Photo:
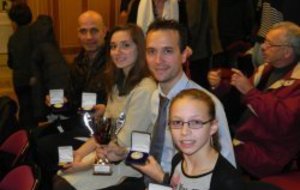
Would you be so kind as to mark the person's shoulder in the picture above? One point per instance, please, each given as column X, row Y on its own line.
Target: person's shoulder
column 144, row 88
column 193, row 84
column 148, row 80
column 148, row 83
column 22, row 32
column 12, row 37
column 295, row 74
column 177, row 158
column 175, row 161
column 79, row 57
column 227, row 176
column 224, row 163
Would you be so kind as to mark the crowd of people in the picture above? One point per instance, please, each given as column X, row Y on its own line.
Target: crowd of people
column 212, row 128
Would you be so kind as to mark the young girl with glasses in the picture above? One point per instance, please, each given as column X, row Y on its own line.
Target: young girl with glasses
column 198, row 164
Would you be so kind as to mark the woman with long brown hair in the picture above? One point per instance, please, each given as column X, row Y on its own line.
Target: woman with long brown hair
column 129, row 88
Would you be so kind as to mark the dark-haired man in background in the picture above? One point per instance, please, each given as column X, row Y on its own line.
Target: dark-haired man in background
column 19, row 60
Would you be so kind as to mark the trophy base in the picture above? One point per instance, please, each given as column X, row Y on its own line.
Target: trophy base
column 102, row 169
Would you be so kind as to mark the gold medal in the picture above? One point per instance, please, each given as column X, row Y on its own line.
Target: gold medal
column 136, row 155
column 87, row 108
column 58, row 105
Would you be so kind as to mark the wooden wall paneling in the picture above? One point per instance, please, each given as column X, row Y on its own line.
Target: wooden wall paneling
column 116, row 11
column 112, row 14
column 101, row 6
column 46, row 7
column 56, row 20
column 68, row 22
column 68, row 12
column 84, row 5
column 65, row 14
column 41, row 7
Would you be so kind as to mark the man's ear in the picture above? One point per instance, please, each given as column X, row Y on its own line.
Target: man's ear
column 288, row 52
column 186, row 53
column 104, row 30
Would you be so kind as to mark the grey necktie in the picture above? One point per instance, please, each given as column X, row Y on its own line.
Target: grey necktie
column 159, row 130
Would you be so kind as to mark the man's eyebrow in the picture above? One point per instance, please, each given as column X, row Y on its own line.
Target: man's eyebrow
column 88, row 28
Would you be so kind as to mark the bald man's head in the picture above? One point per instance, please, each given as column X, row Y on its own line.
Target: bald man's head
column 91, row 30
column 92, row 16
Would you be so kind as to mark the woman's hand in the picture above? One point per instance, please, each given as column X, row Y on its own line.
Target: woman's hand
column 74, row 167
column 113, row 152
column 77, row 165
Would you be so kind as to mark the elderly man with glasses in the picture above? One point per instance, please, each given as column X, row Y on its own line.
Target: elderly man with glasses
column 267, row 135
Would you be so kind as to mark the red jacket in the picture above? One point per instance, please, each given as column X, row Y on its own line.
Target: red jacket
column 271, row 135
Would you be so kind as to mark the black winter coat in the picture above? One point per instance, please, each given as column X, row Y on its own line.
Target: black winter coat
column 87, row 77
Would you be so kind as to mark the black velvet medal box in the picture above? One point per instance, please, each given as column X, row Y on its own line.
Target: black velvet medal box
column 140, row 148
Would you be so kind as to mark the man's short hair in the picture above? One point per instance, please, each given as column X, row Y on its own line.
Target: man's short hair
column 292, row 35
column 20, row 14
column 164, row 24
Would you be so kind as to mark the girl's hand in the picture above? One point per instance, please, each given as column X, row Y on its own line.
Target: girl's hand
column 112, row 151
column 152, row 169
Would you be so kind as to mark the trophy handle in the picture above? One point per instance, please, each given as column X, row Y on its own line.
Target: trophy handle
column 87, row 119
column 119, row 123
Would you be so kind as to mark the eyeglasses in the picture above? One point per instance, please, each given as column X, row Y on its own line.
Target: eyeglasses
column 193, row 124
column 268, row 43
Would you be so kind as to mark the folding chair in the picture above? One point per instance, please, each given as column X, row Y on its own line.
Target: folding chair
column 287, row 181
column 290, row 180
column 13, row 150
column 20, row 178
